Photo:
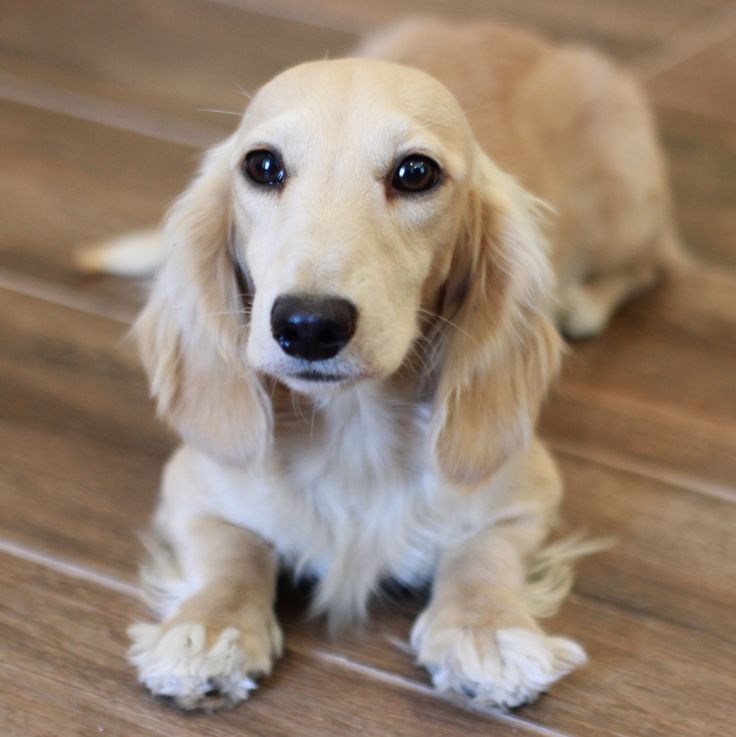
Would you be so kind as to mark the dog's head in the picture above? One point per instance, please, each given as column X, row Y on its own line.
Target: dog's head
column 349, row 217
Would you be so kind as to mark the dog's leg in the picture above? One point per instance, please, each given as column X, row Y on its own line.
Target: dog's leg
column 586, row 309
column 218, row 640
column 478, row 635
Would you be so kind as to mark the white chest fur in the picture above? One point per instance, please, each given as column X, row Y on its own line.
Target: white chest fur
column 364, row 495
column 348, row 497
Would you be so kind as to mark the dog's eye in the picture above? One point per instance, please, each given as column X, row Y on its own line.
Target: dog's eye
column 416, row 173
column 264, row 167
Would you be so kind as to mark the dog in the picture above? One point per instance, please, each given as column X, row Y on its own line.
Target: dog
column 352, row 330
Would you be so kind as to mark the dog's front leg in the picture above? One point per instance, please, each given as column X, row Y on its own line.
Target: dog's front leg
column 224, row 635
column 478, row 636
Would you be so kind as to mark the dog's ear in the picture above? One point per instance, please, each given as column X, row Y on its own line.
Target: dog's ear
column 499, row 348
column 192, row 332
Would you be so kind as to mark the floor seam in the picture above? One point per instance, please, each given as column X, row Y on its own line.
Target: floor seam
column 407, row 684
column 681, row 107
column 178, row 131
column 105, row 581
column 606, row 399
column 69, row 569
column 643, row 470
column 706, row 32
column 121, row 116
column 109, row 582
column 265, row 8
column 55, row 294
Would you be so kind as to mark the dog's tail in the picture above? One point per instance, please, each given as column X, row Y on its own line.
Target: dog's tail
column 551, row 573
column 137, row 254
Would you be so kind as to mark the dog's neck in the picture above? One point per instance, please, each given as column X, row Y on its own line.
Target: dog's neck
column 372, row 431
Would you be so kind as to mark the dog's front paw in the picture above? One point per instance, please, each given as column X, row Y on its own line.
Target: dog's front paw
column 200, row 668
column 502, row 668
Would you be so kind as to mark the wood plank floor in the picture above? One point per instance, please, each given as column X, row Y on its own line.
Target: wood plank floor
column 102, row 115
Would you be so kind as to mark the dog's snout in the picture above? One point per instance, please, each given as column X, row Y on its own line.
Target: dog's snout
column 312, row 328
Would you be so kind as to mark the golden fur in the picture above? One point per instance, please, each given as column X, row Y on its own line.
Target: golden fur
column 422, row 465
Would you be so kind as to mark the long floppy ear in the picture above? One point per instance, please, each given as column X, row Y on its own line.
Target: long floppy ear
column 500, row 348
column 192, row 332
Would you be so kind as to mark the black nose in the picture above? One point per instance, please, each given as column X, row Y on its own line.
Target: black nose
column 312, row 328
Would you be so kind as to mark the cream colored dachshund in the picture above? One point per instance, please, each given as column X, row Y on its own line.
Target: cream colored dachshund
column 352, row 330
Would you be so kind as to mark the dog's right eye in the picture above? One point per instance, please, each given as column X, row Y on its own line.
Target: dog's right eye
column 264, row 167
column 416, row 173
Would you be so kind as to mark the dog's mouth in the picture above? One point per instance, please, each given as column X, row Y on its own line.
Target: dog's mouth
column 313, row 375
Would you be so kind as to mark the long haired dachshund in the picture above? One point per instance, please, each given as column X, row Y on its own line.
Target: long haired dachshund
column 352, row 331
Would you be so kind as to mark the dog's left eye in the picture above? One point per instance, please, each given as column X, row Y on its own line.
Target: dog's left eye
column 416, row 173
column 264, row 167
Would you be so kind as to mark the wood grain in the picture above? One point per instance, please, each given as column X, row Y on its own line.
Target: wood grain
column 80, row 450
column 654, row 613
column 639, row 669
column 65, row 182
column 700, row 82
column 657, row 388
column 173, row 56
column 702, row 159
column 63, row 647
column 65, row 641
column 673, row 554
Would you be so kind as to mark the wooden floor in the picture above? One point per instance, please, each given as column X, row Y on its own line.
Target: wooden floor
column 103, row 110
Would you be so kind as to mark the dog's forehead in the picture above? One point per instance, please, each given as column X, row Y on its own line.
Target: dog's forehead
column 360, row 87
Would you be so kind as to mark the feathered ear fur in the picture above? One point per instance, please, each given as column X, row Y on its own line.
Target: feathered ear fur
column 501, row 350
column 193, row 331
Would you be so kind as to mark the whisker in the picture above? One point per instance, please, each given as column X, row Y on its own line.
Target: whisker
column 240, row 89
column 411, row 365
column 451, row 324
column 428, row 350
column 423, row 370
column 418, row 356
column 296, row 404
column 227, row 312
column 215, row 110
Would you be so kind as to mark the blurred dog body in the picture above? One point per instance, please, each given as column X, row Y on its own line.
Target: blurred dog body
column 353, row 329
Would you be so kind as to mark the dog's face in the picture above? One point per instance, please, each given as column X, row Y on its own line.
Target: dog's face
column 351, row 206
column 346, row 182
